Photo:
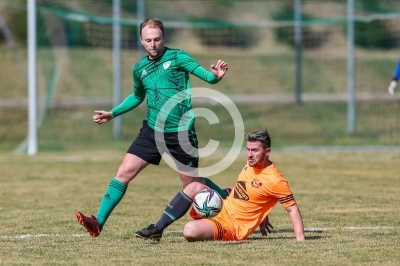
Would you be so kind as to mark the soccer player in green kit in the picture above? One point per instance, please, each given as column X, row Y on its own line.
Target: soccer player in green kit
column 161, row 76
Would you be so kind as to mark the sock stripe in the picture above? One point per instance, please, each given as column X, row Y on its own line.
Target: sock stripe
column 122, row 189
column 170, row 215
column 118, row 185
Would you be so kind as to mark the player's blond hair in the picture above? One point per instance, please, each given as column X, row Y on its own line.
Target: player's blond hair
column 153, row 23
column 261, row 136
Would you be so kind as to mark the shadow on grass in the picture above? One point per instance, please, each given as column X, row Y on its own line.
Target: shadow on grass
column 269, row 237
column 169, row 236
column 291, row 231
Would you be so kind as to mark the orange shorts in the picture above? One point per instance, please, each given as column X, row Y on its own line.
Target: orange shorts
column 223, row 227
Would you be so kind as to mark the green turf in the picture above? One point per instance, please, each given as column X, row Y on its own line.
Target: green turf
column 348, row 201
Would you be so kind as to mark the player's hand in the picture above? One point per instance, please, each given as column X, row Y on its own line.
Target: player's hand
column 102, row 117
column 266, row 226
column 219, row 69
column 392, row 87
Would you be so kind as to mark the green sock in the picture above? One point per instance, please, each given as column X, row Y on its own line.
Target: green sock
column 212, row 185
column 111, row 198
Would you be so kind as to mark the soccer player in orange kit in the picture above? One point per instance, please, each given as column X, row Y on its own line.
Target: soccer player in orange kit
column 259, row 187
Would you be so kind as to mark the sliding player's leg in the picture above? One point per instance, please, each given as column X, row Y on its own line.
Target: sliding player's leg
column 216, row 228
column 199, row 230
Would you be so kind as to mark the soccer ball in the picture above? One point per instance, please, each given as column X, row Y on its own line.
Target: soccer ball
column 207, row 203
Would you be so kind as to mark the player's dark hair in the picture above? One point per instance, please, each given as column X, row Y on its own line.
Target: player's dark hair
column 261, row 136
column 153, row 23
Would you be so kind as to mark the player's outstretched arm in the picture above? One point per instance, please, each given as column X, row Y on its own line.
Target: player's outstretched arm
column 219, row 70
column 102, row 117
column 297, row 221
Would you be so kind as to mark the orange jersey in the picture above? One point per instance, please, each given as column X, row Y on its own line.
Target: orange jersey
column 256, row 192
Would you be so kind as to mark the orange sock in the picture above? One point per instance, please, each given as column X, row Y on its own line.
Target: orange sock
column 194, row 214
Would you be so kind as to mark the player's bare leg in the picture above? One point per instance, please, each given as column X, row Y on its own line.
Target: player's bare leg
column 130, row 167
column 198, row 230
column 189, row 177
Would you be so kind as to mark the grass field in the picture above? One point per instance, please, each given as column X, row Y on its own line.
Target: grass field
column 349, row 201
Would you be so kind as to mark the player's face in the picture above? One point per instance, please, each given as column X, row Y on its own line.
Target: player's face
column 153, row 41
column 257, row 155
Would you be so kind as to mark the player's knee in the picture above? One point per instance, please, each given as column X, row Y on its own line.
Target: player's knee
column 127, row 173
column 189, row 232
column 123, row 175
column 193, row 188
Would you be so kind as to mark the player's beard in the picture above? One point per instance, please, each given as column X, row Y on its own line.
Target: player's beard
column 257, row 162
column 252, row 162
column 154, row 53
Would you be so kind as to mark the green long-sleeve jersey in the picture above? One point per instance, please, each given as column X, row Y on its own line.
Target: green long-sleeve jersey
column 165, row 81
